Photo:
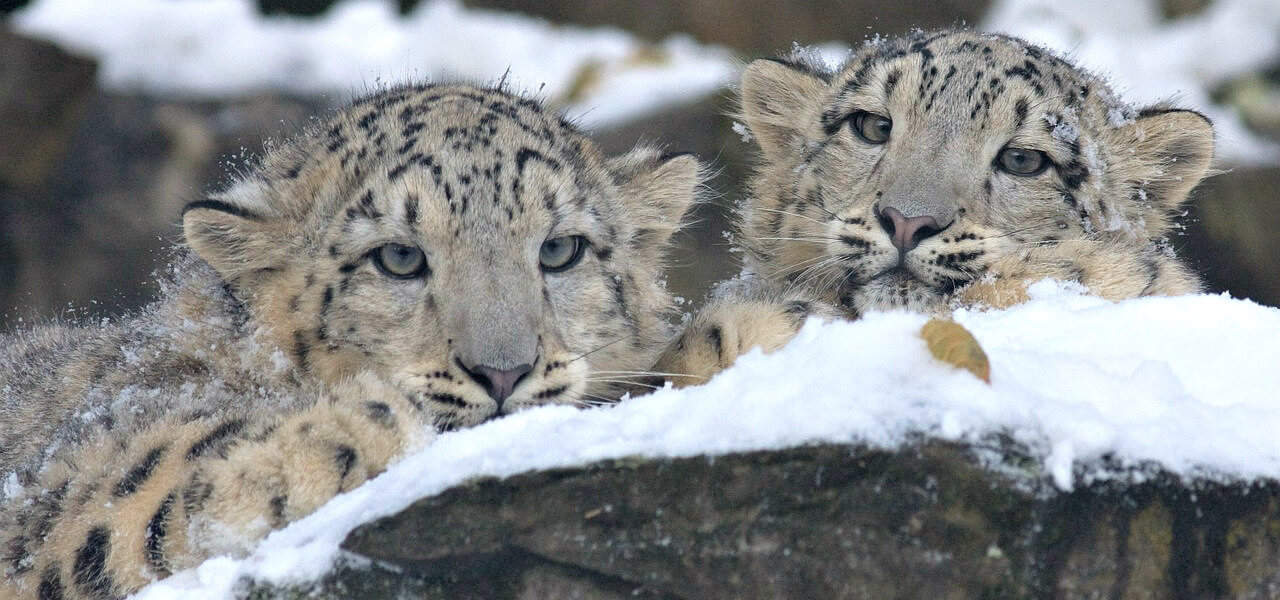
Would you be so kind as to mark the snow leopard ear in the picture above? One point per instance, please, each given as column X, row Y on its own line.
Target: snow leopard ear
column 775, row 97
column 658, row 190
column 1174, row 149
column 234, row 240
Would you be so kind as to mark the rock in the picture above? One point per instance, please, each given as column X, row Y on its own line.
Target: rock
column 83, row 237
column 829, row 521
column 755, row 26
column 1231, row 233
column 43, row 91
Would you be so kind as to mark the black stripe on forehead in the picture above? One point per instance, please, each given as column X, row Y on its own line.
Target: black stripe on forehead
column 860, row 76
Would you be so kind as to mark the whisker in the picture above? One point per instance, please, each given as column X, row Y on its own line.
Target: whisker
column 626, row 382
column 590, row 352
column 655, row 373
column 783, row 212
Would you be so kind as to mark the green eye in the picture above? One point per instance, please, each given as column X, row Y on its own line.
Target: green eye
column 1022, row 162
column 870, row 127
column 560, row 253
column 400, row 261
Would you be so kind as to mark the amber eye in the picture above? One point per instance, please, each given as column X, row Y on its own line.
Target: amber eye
column 400, row 261
column 558, row 254
column 871, row 128
column 1022, row 162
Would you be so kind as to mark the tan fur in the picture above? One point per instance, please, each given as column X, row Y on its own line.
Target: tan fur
column 1100, row 215
column 284, row 364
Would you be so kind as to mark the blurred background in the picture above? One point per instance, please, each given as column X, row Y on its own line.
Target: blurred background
column 113, row 115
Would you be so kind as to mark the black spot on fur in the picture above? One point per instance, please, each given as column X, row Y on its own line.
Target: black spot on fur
column 449, row 399
column 216, row 440
column 854, row 242
column 301, row 350
column 195, row 494
column 1020, row 111
column 50, row 585
column 344, row 457
column 153, row 544
column 138, row 474
column 411, row 209
column 380, row 413
column 1073, row 174
column 523, row 155
column 277, row 505
column 90, row 570
column 550, row 393
column 366, row 207
column 891, row 81
column 715, row 337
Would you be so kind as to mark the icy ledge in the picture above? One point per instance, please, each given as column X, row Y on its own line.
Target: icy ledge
column 1084, row 387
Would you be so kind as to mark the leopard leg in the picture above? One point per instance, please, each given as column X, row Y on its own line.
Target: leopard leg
column 118, row 516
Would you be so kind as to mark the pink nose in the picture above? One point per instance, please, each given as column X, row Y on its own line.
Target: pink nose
column 906, row 232
column 498, row 382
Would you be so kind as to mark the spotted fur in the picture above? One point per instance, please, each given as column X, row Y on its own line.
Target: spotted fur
column 283, row 365
column 816, row 222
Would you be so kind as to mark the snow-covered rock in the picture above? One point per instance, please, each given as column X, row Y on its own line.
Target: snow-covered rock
column 1091, row 390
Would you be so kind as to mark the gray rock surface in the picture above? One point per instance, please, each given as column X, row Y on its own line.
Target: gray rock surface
column 929, row 521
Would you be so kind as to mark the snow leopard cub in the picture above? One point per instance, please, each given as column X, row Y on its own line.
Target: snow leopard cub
column 432, row 255
column 939, row 169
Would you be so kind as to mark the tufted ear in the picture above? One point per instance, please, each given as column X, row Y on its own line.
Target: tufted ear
column 658, row 190
column 775, row 95
column 234, row 240
column 1174, row 148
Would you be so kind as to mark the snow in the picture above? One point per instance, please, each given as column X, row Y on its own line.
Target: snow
column 217, row 48
column 1185, row 382
column 1149, row 60
column 604, row 76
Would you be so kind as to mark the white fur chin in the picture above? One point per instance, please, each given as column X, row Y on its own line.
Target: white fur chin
column 894, row 291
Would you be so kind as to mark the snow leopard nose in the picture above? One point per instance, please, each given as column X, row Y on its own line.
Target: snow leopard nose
column 498, row 382
column 906, row 232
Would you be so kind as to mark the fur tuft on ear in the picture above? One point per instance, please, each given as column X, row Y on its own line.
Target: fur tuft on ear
column 1174, row 149
column 234, row 240
column 658, row 190
column 775, row 95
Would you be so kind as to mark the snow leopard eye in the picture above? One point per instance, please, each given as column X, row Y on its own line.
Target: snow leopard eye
column 558, row 254
column 1022, row 162
column 400, row 261
column 870, row 127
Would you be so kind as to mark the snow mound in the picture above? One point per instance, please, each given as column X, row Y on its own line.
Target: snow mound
column 1186, row 382
column 218, row 48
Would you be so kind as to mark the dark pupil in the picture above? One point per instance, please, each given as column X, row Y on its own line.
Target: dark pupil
column 1018, row 158
column 882, row 126
column 553, row 247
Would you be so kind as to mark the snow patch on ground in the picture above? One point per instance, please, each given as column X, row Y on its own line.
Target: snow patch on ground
column 218, row 48
column 1186, row 382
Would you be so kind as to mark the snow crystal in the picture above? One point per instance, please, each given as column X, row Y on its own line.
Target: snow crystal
column 1119, row 116
column 1063, row 129
column 742, row 131
column 11, row 486
column 1188, row 383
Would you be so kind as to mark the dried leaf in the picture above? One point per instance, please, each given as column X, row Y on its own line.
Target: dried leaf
column 951, row 343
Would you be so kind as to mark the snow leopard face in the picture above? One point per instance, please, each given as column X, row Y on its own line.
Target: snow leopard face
column 927, row 162
column 472, row 248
